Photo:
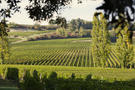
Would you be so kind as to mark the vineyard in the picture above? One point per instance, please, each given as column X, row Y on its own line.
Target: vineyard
column 109, row 74
column 61, row 52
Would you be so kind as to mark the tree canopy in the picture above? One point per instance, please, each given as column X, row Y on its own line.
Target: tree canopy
column 45, row 9
column 61, row 21
column 37, row 9
column 116, row 10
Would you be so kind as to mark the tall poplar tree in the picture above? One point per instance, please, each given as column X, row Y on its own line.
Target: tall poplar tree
column 124, row 48
column 100, row 39
column 4, row 44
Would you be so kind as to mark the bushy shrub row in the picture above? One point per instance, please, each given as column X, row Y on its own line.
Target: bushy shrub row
column 35, row 81
column 52, row 82
column 57, row 36
column 12, row 74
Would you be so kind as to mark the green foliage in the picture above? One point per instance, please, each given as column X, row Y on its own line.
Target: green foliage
column 76, row 24
column 80, row 72
column 89, row 77
column 61, row 21
column 36, row 76
column 62, row 32
column 73, row 76
column 53, row 75
column 52, row 21
column 4, row 44
column 81, row 31
column 81, row 84
column 31, row 82
column 12, row 74
column 100, row 40
column 124, row 48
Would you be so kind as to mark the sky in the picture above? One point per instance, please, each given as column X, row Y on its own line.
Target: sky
column 73, row 11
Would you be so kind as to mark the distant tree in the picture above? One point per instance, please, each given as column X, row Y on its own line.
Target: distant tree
column 37, row 26
column 87, row 25
column 61, row 21
column 62, row 32
column 72, row 25
column 81, row 31
column 12, row 24
column 76, row 24
column 79, row 23
column 52, row 21
column 100, row 40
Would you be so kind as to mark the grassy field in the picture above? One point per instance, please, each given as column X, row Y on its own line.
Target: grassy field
column 58, row 52
column 7, row 85
column 24, row 35
column 109, row 74
column 63, row 52
column 14, row 39
column 28, row 33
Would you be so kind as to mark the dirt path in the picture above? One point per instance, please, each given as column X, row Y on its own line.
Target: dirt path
column 23, row 40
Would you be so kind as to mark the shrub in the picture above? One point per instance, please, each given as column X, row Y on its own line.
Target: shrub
column 73, row 76
column 44, row 80
column 12, row 74
column 30, row 39
column 16, row 36
column 36, row 76
column 89, row 77
column 61, row 31
column 53, row 75
column 4, row 73
column 31, row 83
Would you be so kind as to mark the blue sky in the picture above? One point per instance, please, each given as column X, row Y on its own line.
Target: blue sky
column 73, row 11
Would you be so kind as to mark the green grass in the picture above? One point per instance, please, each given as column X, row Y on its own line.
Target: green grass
column 14, row 39
column 8, row 88
column 7, row 85
column 28, row 33
column 109, row 74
